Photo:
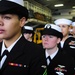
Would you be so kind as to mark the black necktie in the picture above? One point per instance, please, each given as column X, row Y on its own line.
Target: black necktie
column 49, row 58
column 4, row 53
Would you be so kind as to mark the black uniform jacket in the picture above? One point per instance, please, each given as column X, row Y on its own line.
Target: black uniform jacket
column 61, row 64
column 69, row 47
column 24, row 59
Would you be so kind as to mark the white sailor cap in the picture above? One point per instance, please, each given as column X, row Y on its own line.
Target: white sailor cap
column 28, row 28
column 13, row 7
column 51, row 29
column 73, row 23
column 21, row 2
column 63, row 21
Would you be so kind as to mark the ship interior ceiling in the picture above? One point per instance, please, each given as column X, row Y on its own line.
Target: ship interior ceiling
column 68, row 4
column 34, row 25
column 50, row 3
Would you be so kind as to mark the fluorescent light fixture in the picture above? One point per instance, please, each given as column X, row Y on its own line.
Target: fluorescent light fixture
column 73, row 7
column 59, row 5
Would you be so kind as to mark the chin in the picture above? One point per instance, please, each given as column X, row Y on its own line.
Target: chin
column 45, row 47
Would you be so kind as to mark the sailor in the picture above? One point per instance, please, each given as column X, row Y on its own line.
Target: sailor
column 58, row 62
column 67, row 41
column 17, row 55
column 28, row 33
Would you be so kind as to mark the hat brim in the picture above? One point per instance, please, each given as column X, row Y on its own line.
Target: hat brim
column 52, row 32
column 7, row 6
column 28, row 31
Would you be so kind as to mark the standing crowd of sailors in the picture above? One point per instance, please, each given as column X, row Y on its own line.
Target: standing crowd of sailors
column 20, row 56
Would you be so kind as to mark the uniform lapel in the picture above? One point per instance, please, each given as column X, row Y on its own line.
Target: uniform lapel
column 15, row 52
column 0, row 47
column 44, row 63
column 53, row 63
column 0, row 50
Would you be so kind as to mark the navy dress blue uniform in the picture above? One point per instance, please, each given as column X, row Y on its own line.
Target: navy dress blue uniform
column 24, row 59
column 66, row 44
column 69, row 46
column 28, row 33
column 61, row 64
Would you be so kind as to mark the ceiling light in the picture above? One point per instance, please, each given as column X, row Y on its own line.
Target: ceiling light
column 58, row 5
column 73, row 7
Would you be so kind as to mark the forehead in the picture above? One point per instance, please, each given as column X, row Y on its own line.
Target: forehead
column 9, row 15
column 11, row 12
column 26, row 34
column 64, row 25
column 48, row 35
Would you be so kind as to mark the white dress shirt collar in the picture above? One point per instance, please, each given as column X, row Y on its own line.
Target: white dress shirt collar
column 52, row 55
column 10, row 47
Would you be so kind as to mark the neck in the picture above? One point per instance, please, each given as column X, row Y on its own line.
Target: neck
column 64, row 38
column 51, row 51
column 74, row 35
column 8, row 42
